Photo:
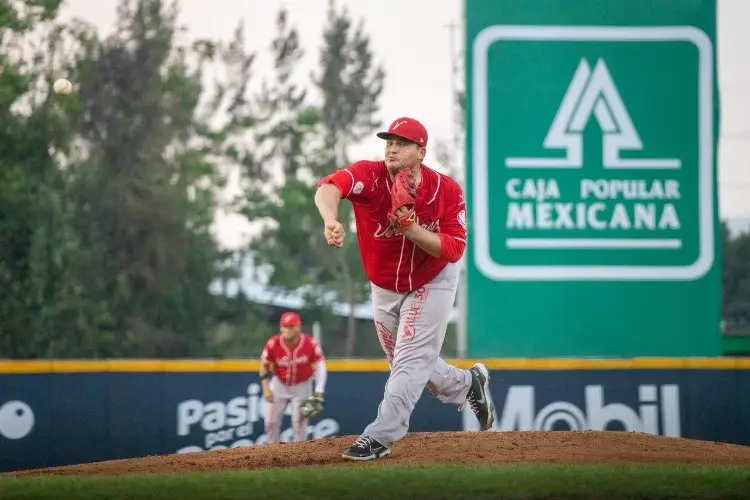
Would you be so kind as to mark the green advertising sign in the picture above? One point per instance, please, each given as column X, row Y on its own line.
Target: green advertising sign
column 591, row 179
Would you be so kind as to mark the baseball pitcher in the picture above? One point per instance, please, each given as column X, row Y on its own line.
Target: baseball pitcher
column 411, row 231
column 289, row 361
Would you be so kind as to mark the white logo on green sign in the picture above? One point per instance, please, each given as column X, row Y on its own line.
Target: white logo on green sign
column 626, row 202
column 592, row 93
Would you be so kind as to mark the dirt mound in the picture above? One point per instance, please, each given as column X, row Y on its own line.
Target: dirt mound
column 453, row 447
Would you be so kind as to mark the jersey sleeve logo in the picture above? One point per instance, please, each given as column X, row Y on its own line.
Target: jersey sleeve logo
column 358, row 187
column 462, row 219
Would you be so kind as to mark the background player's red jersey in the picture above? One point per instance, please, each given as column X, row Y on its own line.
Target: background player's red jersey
column 292, row 364
column 390, row 260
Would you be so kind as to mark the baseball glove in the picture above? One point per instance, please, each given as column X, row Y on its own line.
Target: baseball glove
column 312, row 406
column 403, row 194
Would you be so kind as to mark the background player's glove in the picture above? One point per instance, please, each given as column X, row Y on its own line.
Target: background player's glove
column 403, row 194
column 312, row 406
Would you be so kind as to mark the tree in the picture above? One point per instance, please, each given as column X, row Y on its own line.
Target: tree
column 41, row 299
column 303, row 140
column 735, row 280
column 285, row 128
column 109, row 195
column 285, row 121
column 350, row 83
column 144, row 193
column 230, row 126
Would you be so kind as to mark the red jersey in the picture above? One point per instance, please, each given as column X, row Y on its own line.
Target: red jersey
column 292, row 364
column 390, row 260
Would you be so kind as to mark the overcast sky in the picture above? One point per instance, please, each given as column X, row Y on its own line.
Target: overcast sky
column 411, row 39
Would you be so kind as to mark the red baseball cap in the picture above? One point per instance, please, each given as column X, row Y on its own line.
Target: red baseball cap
column 290, row 319
column 406, row 128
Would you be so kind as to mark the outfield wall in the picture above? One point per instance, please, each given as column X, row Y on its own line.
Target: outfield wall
column 65, row 412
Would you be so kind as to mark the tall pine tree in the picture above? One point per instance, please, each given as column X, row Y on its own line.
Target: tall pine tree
column 285, row 132
column 145, row 193
column 303, row 143
column 350, row 83
column 284, row 118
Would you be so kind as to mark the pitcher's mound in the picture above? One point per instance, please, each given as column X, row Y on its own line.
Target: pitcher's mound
column 440, row 447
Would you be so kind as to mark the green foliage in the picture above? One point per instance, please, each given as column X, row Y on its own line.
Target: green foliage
column 109, row 195
column 351, row 84
column 304, row 140
column 140, row 208
column 40, row 296
column 18, row 16
column 735, row 281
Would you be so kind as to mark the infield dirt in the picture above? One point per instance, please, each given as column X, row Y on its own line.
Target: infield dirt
column 563, row 447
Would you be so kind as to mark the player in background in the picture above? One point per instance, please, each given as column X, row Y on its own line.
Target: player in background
column 411, row 233
column 288, row 364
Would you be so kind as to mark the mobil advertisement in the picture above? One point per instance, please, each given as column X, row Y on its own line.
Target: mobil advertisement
column 698, row 403
column 656, row 411
column 58, row 418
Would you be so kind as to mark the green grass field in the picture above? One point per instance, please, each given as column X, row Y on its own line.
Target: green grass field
column 413, row 482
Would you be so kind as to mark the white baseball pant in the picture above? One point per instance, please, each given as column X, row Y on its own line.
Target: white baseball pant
column 411, row 328
column 284, row 395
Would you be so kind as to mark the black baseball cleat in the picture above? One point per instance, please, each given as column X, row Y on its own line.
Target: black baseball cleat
column 479, row 397
column 366, row 448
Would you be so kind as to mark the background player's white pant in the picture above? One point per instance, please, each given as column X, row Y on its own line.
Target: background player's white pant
column 411, row 327
column 282, row 396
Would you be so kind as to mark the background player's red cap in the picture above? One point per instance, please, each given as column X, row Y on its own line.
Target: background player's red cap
column 406, row 128
column 290, row 319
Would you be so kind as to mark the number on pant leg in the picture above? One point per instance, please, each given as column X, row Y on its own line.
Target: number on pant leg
column 414, row 312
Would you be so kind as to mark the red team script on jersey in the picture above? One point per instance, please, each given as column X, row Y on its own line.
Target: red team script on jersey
column 292, row 365
column 390, row 260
